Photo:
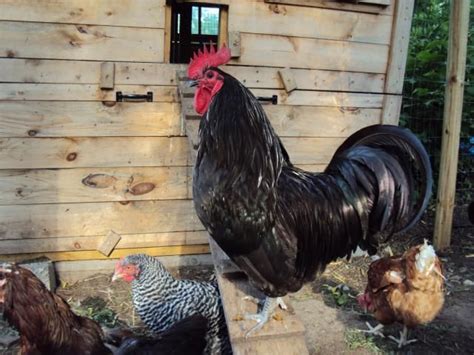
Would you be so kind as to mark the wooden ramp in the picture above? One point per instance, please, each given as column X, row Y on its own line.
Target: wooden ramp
column 284, row 333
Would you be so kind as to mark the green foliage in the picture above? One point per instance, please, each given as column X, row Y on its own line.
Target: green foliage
column 96, row 309
column 339, row 293
column 357, row 340
column 424, row 89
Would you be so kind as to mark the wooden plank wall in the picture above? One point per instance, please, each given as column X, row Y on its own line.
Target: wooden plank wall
column 75, row 164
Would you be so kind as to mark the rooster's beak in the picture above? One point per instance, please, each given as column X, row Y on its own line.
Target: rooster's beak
column 192, row 83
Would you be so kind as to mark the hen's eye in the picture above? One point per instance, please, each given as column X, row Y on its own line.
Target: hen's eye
column 210, row 74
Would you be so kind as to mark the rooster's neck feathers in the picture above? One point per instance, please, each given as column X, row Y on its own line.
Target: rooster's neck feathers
column 237, row 132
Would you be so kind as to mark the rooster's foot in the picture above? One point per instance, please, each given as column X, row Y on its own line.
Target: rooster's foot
column 374, row 330
column 262, row 317
column 403, row 340
column 281, row 303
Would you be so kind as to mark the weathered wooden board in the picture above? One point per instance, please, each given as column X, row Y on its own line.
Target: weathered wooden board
column 58, row 41
column 72, row 271
column 135, row 13
column 79, row 119
column 70, row 92
column 283, row 51
column 108, row 243
column 392, row 105
column 399, row 46
column 311, row 150
column 322, row 98
column 101, row 152
column 459, row 33
column 308, row 79
column 38, row 153
column 86, row 92
column 118, row 253
column 128, row 241
column 107, row 75
column 93, row 185
column 257, row 17
column 286, row 334
column 338, row 5
column 309, row 121
column 317, row 168
column 89, row 219
column 16, row 70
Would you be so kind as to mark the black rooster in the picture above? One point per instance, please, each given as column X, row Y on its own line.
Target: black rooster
column 281, row 225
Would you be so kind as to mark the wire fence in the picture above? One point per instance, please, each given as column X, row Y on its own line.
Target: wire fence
column 423, row 95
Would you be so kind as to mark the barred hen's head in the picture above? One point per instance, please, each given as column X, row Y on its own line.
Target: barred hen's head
column 202, row 70
column 126, row 270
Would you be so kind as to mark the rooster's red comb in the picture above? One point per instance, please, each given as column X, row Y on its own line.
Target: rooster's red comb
column 207, row 58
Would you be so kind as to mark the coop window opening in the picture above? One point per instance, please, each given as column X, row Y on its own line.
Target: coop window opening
column 192, row 26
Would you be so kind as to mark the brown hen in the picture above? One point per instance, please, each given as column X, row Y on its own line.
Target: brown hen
column 408, row 289
column 44, row 320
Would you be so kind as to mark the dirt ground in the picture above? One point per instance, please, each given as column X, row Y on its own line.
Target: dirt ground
column 327, row 306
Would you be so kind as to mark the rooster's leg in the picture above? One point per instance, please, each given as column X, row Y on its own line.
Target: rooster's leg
column 374, row 330
column 262, row 317
column 403, row 338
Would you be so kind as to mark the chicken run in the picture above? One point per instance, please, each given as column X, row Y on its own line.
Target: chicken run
column 345, row 253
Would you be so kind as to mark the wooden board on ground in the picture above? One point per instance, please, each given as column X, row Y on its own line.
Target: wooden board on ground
column 283, row 334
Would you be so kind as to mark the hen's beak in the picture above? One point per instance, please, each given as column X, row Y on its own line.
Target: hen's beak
column 116, row 276
column 192, row 83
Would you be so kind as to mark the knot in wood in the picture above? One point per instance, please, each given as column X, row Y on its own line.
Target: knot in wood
column 32, row 132
column 71, row 156
column 109, row 103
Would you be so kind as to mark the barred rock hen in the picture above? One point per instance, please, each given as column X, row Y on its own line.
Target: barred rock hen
column 161, row 300
column 280, row 224
column 44, row 320
column 408, row 289
column 185, row 337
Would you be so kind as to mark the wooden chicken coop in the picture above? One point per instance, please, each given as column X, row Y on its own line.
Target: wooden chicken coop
column 85, row 168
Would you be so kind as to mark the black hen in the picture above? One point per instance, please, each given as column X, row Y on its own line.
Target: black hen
column 185, row 337
column 281, row 224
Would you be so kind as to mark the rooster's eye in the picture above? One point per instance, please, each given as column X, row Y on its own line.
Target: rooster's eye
column 210, row 74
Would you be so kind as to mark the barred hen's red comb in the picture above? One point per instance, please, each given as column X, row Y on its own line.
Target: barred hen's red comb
column 207, row 58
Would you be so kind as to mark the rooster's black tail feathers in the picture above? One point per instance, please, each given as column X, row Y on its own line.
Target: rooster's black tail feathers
column 385, row 174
